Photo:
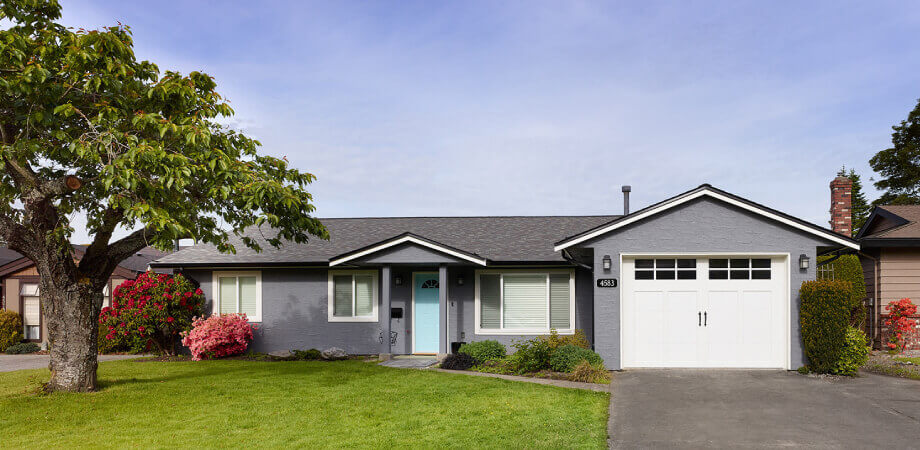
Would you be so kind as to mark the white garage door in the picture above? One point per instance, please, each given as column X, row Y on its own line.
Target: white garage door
column 705, row 311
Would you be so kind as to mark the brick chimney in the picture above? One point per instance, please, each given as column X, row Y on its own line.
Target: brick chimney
column 841, row 214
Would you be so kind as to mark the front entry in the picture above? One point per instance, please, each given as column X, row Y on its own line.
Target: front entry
column 426, row 319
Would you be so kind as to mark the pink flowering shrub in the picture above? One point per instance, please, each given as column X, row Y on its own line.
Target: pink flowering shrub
column 149, row 313
column 218, row 335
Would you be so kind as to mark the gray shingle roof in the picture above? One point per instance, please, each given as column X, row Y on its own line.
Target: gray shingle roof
column 498, row 239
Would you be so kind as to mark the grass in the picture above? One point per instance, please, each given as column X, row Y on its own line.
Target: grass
column 912, row 360
column 295, row 404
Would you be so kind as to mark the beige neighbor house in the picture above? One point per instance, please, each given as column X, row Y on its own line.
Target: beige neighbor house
column 890, row 256
column 20, row 292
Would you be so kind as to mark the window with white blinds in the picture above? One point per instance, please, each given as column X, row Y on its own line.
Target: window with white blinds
column 238, row 292
column 353, row 296
column 525, row 303
column 31, row 311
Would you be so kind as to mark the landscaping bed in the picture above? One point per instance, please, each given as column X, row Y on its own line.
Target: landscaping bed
column 906, row 365
column 236, row 403
column 552, row 357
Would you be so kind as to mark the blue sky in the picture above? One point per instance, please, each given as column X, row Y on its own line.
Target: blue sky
column 534, row 108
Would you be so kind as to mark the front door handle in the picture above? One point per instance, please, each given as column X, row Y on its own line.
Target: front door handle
column 699, row 316
column 705, row 319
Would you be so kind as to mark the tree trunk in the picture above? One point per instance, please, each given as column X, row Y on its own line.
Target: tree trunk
column 71, row 313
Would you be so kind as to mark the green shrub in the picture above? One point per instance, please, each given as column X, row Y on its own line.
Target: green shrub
column 587, row 372
column 531, row 355
column 567, row 357
column 483, row 350
column 802, row 370
column 848, row 268
column 824, row 317
column 22, row 348
column 855, row 353
column 306, row 355
column 555, row 340
column 502, row 366
column 10, row 329
column 460, row 361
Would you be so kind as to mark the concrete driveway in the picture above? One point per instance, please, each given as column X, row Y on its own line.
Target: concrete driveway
column 9, row 363
column 725, row 408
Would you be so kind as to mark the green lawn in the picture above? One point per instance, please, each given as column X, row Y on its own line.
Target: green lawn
column 302, row 404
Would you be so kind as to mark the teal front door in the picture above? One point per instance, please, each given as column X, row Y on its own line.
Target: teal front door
column 426, row 313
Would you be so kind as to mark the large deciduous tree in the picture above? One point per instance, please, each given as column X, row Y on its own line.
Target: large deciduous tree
column 899, row 166
column 86, row 128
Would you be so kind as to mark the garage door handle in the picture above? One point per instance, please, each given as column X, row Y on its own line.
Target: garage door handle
column 705, row 319
column 700, row 317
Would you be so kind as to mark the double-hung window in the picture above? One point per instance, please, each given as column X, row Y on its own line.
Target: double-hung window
column 517, row 302
column 31, row 311
column 353, row 296
column 238, row 292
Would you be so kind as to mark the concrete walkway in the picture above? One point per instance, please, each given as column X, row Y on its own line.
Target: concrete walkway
column 9, row 363
column 549, row 382
column 762, row 408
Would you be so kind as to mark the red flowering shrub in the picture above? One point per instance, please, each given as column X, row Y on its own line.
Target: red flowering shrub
column 149, row 313
column 899, row 323
column 218, row 335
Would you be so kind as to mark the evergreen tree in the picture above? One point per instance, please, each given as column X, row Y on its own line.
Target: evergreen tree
column 859, row 205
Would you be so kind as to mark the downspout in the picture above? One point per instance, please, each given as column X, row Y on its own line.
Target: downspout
column 874, row 328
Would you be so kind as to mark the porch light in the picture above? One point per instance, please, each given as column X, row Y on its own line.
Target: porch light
column 460, row 280
column 607, row 262
column 397, row 280
column 803, row 261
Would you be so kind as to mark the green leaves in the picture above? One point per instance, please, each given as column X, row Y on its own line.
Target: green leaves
column 147, row 146
column 899, row 166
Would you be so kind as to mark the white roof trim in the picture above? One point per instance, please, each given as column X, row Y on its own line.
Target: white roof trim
column 709, row 193
column 412, row 239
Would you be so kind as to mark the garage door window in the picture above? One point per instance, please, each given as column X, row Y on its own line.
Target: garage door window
column 739, row 269
column 665, row 269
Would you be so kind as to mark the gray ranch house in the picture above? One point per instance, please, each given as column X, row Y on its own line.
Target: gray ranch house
column 702, row 279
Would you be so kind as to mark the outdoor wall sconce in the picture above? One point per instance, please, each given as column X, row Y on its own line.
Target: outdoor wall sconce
column 803, row 261
column 397, row 280
column 607, row 262
column 460, row 280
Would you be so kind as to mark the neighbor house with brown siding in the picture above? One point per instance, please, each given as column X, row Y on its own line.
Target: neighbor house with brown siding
column 20, row 292
column 890, row 256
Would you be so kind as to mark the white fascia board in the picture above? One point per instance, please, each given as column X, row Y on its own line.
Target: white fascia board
column 411, row 239
column 705, row 192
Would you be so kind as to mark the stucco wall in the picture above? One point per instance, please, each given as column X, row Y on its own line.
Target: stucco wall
column 703, row 225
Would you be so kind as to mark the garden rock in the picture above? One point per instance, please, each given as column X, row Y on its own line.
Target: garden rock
column 333, row 353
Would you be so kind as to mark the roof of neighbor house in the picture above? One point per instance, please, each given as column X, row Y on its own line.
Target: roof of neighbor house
column 136, row 263
column 497, row 239
column 891, row 222
column 7, row 255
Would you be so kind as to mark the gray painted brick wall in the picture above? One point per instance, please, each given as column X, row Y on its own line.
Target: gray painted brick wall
column 703, row 225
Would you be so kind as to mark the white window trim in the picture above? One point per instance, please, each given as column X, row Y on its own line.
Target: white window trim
column 215, row 283
column 374, row 289
column 524, row 331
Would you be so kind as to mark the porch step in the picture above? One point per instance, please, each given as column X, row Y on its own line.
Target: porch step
column 410, row 362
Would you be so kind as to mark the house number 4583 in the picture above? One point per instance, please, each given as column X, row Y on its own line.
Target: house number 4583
column 606, row 282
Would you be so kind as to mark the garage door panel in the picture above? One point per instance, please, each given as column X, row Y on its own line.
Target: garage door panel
column 680, row 319
column 723, row 331
column 649, row 334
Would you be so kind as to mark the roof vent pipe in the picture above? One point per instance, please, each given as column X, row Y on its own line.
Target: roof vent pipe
column 626, row 189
